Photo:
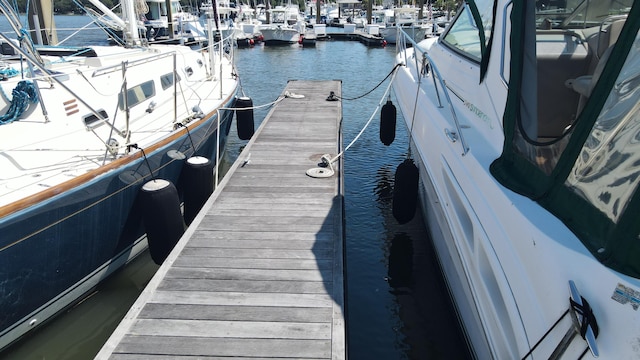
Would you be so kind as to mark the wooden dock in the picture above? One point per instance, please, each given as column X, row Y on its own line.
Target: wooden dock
column 259, row 273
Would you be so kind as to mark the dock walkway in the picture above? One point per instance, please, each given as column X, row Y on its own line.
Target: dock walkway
column 259, row 273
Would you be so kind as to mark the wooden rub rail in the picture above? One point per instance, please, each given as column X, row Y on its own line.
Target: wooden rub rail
column 259, row 273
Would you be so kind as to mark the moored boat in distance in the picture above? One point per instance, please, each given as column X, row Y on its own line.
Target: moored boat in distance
column 285, row 27
column 185, row 25
column 523, row 120
column 83, row 130
column 406, row 18
column 229, row 20
column 154, row 25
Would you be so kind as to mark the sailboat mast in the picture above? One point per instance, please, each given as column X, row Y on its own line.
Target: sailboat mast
column 41, row 23
column 170, row 24
column 129, row 13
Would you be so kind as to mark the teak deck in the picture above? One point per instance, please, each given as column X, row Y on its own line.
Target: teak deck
column 259, row 273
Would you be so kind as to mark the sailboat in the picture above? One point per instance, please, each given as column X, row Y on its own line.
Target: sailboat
column 84, row 133
column 524, row 123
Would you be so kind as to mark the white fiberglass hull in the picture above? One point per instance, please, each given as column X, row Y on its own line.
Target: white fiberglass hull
column 390, row 34
column 507, row 261
column 279, row 35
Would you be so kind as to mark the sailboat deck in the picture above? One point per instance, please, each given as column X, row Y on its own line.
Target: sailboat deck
column 259, row 273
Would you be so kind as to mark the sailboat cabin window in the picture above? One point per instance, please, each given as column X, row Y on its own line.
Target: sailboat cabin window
column 137, row 94
column 166, row 80
column 464, row 34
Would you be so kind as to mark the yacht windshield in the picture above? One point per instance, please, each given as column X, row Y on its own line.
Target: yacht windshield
column 464, row 35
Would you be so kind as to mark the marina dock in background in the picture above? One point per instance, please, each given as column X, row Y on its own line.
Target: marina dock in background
column 370, row 36
column 358, row 35
column 259, row 273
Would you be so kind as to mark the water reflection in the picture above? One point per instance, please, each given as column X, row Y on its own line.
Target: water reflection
column 384, row 186
column 400, row 272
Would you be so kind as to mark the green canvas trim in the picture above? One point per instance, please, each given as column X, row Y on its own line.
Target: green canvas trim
column 511, row 169
column 615, row 245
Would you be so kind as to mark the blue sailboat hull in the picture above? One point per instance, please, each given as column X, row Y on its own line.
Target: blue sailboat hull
column 57, row 250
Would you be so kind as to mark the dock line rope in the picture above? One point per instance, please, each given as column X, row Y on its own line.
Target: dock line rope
column 531, row 350
column 326, row 159
column 375, row 111
column 286, row 95
column 24, row 94
column 334, row 97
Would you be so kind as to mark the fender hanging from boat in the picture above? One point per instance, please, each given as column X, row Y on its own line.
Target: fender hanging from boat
column 244, row 117
column 197, row 177
column 161, row 217
column 388, row 123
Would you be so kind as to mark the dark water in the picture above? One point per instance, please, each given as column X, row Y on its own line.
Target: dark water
column 397, row 305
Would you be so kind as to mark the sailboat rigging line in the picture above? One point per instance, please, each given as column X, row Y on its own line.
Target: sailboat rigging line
column 545, row 335
column 135, row 146
column 179, row 124
column 76, row 30
column 370, row 91
column 96, row 89
column 217, row 147
column 375, row 111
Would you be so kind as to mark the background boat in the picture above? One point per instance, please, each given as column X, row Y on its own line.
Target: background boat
column 285, row 27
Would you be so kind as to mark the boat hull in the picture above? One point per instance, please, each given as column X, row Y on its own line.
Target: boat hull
column 507, row 262
column 280, row 36
column 390, row 34
column 55, row 251
column 450, row 264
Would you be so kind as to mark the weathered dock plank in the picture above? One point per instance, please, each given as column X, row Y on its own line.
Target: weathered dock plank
column 258, row 274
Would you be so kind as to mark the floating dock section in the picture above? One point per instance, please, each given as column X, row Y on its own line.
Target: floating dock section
column 259, row 273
